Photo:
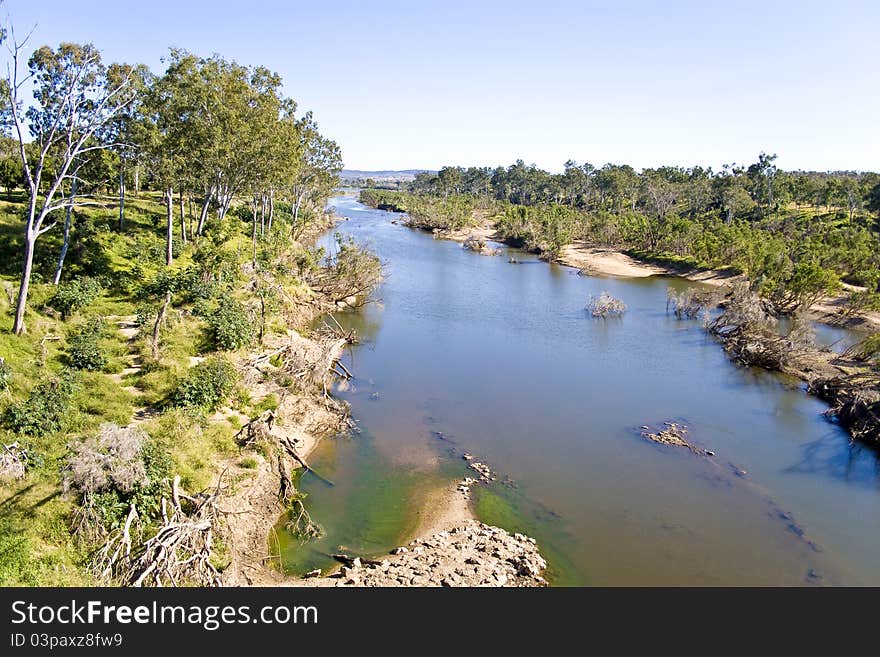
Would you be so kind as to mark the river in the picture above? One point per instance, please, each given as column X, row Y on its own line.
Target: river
column 463, row 352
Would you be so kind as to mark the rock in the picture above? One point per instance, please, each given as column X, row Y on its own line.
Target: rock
column 313, row 573
column 472, row 554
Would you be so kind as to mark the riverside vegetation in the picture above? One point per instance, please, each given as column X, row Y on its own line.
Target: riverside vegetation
column 159, row 290
column 798, row 239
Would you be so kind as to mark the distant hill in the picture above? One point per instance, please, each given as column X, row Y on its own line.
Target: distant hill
column 404, row 175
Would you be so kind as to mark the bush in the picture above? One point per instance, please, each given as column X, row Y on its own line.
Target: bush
column 83, row 348
column 15, row 556
column 605, row 305
column 145, row 314
column 73, row 295
column 206, row 386
column 44, row 411
column 119, row 467
column 230, row 325
column 5, row 374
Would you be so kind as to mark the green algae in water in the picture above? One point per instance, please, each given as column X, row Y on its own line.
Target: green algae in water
column 372, row 508
column 510, row 509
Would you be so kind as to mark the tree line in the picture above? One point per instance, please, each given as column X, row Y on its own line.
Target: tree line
column 797, row 235
column 207, row 134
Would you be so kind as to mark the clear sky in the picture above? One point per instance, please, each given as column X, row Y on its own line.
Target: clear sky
column 425, row 83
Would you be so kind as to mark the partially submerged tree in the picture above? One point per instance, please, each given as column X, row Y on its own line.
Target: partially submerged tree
column 604, row 305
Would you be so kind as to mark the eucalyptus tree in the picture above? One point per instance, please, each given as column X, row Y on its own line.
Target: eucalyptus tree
column 762, row 175
column 317, row 171
column 128, row 131
column 74, row 99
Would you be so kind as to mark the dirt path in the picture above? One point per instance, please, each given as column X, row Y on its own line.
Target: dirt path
column 128, row 329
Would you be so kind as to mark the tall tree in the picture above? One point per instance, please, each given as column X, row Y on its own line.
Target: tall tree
column 74, row 100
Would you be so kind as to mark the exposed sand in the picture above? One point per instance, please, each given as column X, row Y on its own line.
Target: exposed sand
column 607, row 262
column 485, row 232
column 253, row 505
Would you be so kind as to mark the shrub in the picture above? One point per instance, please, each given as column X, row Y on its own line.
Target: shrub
column 119, row 467
column 15, row 555
column 75, row 294
column 145, row 314
column 5, row 374
column 230, row 325
column 605, row 305
column 206, row 386
column 44, row 411
column 83, row 348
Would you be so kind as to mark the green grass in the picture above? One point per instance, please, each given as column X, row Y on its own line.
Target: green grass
column 37, row 546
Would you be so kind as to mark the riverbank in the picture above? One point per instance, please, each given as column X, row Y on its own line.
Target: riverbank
column 448, row 545
column 606, row 261
column 835, row 378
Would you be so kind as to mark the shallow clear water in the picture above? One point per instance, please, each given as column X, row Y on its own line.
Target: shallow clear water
column 502, row 361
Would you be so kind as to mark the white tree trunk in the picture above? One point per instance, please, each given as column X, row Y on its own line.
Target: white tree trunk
column 121, row 196
column 169, row 215
column 182, row 217
column 65, row 243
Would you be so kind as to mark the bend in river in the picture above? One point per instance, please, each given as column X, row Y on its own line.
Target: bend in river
column 468, row 353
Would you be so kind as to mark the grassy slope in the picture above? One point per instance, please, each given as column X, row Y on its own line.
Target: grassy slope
column 36, row 546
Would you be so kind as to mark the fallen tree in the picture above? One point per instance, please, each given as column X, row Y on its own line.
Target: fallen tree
column 750, row 333
column 855, row 403
column 178, row 553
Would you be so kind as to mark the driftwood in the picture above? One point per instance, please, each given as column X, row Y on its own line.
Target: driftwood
column 855, row 403
column 290, row 448
column 690, row 302
column 178, row 553
column 13, row 461
column 299, row 524
column 750, row 333
column 673, row 434
column 604, row 306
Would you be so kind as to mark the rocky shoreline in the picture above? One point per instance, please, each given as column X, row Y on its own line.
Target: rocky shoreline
column 450, row 546
column 473, row 554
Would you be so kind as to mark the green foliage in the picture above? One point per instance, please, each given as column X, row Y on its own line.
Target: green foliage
column 45, row 409
column 74, row 295
column 5, row 374
column 117, row 468
column 83, row 348
column 15, row 551
column 206, row 386
column 145, row 314
column 230, row 325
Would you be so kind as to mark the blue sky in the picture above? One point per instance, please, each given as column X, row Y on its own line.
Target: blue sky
column 422, row 84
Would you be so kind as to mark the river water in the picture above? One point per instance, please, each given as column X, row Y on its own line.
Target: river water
column 463, row 352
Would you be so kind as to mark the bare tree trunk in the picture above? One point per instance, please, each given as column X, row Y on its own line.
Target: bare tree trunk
column 121, row 196
column 137, row 179
column 169, row 215
column 271, row 208
column 254, row 235
column 182, row 217
column 204, row 215
column 21, row 303
column 296, row 206
column 65, row 243
column 189, row 214
column 263, row 215
column 160, row 318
